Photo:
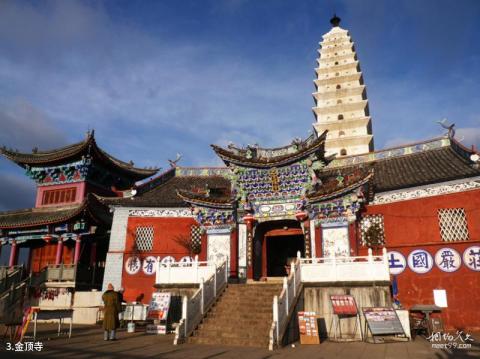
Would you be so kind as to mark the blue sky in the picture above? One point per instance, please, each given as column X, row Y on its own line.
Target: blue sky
column 154, row 78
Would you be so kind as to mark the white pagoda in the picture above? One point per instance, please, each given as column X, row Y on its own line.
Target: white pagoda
column 341, row 104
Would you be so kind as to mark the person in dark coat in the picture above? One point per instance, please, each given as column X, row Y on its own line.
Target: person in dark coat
column 110, row 315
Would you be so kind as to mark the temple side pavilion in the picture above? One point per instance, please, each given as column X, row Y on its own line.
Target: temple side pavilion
column 68, row 225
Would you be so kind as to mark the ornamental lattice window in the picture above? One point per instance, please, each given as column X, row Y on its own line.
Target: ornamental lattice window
column 372, row 230
column 453, row 224
column 144, row 238
column 196, row 239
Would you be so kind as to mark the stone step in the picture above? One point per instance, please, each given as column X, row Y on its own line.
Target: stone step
column 227, row 334
column 250, row 298
column 238, row 329
column 226, row 321
column 231, row 312
column 251, row 342
column 241, row 316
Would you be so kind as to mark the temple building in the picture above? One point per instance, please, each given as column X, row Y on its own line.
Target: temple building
column 418, row 201
column 326, row 210
column 341, row 104
column 68, row 225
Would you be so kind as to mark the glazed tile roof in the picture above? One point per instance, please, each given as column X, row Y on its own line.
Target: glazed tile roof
column 266, row 158
column 334, row 185
column 435, row 161
column 439, row 163
column 220, row 199
column 75, row 151
column 34, row 217
column 162, row 191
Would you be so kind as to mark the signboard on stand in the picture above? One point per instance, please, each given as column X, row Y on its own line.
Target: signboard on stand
column 382, row 321
column 159, row 306
column 307, row 323
column 344, row 306
column 158, row 311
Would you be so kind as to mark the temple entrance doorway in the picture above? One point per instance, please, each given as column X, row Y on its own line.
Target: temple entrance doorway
column 281, row 250
column 275, row 244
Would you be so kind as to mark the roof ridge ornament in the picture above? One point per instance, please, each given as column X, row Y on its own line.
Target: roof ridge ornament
column 450, row 128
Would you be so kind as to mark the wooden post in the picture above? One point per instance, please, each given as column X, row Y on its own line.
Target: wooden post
column 13, row 254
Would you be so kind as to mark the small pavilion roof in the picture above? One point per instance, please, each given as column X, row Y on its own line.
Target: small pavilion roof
column 258, row 157
column 163, row 190
column 35, row 217
column 73, row 152
column 337, row 185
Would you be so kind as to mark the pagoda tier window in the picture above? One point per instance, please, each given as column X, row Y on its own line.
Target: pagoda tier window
column 144, row 238
column 453, row 224
column 57, row 196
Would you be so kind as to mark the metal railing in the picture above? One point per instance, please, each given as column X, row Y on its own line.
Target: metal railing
column 10, row 275
column 11, row 302
column 284, row 303
column 345, row 269
column 195, row 308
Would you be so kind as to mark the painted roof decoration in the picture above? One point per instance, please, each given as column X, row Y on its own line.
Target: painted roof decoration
column 258, row 157
column 87, row 148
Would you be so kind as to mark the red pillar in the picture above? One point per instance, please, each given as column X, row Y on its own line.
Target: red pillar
column 13, row 254
column 318, row 241
column 77, row 250
column 234, row 253
column 58, row 258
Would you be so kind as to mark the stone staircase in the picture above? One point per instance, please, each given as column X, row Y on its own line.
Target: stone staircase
column 242, row 316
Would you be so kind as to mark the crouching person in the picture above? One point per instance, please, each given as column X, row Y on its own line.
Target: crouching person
column 110, row 316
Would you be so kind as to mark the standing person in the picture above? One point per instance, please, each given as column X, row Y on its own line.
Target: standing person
column 110, row 316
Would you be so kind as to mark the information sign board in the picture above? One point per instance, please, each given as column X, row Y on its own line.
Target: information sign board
column 344, row 305
column 159, row 306
column 383, row 321
column 307, row 323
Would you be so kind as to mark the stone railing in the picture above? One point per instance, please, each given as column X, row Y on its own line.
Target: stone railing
column 194, row 308
column 345, row 269
column 284, row 304
column 54, row 273
column 184, row 273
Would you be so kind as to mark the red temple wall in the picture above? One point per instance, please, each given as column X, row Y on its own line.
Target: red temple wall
column 414, row 224
column 165, row 232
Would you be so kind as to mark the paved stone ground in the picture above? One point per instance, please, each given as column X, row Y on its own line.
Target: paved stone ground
column 87, row 342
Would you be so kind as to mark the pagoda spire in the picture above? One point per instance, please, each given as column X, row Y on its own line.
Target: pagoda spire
column 335, row 20
column 341, row 104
